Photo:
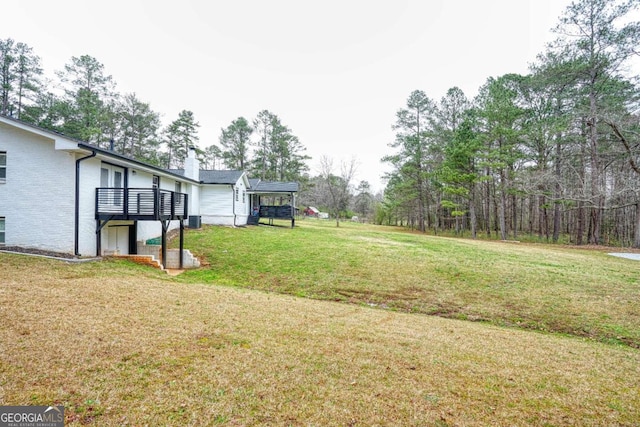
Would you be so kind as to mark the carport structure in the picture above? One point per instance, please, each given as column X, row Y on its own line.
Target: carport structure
column 265, row 194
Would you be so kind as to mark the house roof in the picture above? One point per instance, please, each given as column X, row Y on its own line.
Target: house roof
column 76, row 145
column 126, row 159
column 215, row 176
column 220, row 177
column 274, row 187
column 233, row 176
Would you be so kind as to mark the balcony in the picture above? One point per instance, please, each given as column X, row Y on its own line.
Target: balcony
column 140, row 204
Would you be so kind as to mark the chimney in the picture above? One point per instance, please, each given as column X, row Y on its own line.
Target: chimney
column 111, row 147
column 192, row 165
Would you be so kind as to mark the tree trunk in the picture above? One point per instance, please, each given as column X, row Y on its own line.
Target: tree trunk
column 596, row 195
column 472, row 212
column 545, row 222
column 534, row 215
column 580, row 223
column 540, row 216
column 503, row 206
column 556, row 221
column 557, row 189
column 514, row 215
column 487, row 205
column 636, row 235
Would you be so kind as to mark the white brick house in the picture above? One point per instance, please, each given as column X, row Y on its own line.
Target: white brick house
column 224, row 197
column 229, row 197
column 59, row 194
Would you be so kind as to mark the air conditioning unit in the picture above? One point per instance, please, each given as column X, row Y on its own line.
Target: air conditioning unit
column 195, row 221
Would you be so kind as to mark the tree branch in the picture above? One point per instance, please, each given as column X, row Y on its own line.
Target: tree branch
column 620, row 136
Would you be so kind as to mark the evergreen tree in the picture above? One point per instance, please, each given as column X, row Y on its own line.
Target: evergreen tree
column 414, row 136
column 45, row 111
column 459, row 172
column 88, row 95
column 7, row 64
column 28, row 73
column 179, row 136
column 278, row 153
column 138, row 129
column 212, row 157
column 235, row 141
column 363, row 202
column 19, row 77
column 596, row 43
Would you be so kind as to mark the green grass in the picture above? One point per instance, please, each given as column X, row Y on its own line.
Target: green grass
column 558, row 289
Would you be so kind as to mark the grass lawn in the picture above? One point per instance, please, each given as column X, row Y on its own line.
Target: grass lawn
column 119, row 344
column 585, row 293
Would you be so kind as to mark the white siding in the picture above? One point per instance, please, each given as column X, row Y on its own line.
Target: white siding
column 141, row 179
column 216, row 204
column 38, row 197
column 89, row 181
column 242, row 204
column 194, row 198
column 37, row 200
column 220, row 206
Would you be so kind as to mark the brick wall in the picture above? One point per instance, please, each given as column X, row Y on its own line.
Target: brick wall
column 38, row 197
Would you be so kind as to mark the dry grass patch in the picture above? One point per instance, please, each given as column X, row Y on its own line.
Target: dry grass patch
column 119, row 345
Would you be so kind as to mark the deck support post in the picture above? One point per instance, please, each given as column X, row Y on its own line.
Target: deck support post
column 181, row 243
column 165, row 225
column 98, row 238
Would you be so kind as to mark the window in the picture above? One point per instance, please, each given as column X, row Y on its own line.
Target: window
column 244, row 197
column 1, row 230
column 112, row 177
column 117, row 179
column 237, row 195
column 3, row 166
column 104, row 177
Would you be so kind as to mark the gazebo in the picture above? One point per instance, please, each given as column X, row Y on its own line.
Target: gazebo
column 265, row 194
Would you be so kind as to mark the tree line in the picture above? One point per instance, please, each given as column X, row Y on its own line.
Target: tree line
column 82, row 102
column 554, row 153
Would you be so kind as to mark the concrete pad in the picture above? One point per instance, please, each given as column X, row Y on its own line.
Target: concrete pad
column 635, row 257
column 173, row 271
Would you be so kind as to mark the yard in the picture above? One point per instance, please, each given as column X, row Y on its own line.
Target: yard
column 581, row 292
column 533, row 334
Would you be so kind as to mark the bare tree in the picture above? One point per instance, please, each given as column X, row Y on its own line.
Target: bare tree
column 338, row 187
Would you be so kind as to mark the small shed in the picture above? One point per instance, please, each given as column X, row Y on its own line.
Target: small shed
column 311, row 211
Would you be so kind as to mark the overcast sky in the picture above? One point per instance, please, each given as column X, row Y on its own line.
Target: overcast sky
column 335, row 72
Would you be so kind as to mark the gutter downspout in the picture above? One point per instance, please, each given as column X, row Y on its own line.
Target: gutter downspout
column 77, row 218
column 233, row 200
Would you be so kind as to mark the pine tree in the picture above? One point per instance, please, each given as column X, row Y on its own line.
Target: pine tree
column 88, row 96
column 235, row 141
column 179, row 136
column 19, row 77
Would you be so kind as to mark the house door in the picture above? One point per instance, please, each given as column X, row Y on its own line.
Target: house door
column 116, row 239
column 111, row 176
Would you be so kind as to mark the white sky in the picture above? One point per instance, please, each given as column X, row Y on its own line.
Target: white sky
column 335, row 72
